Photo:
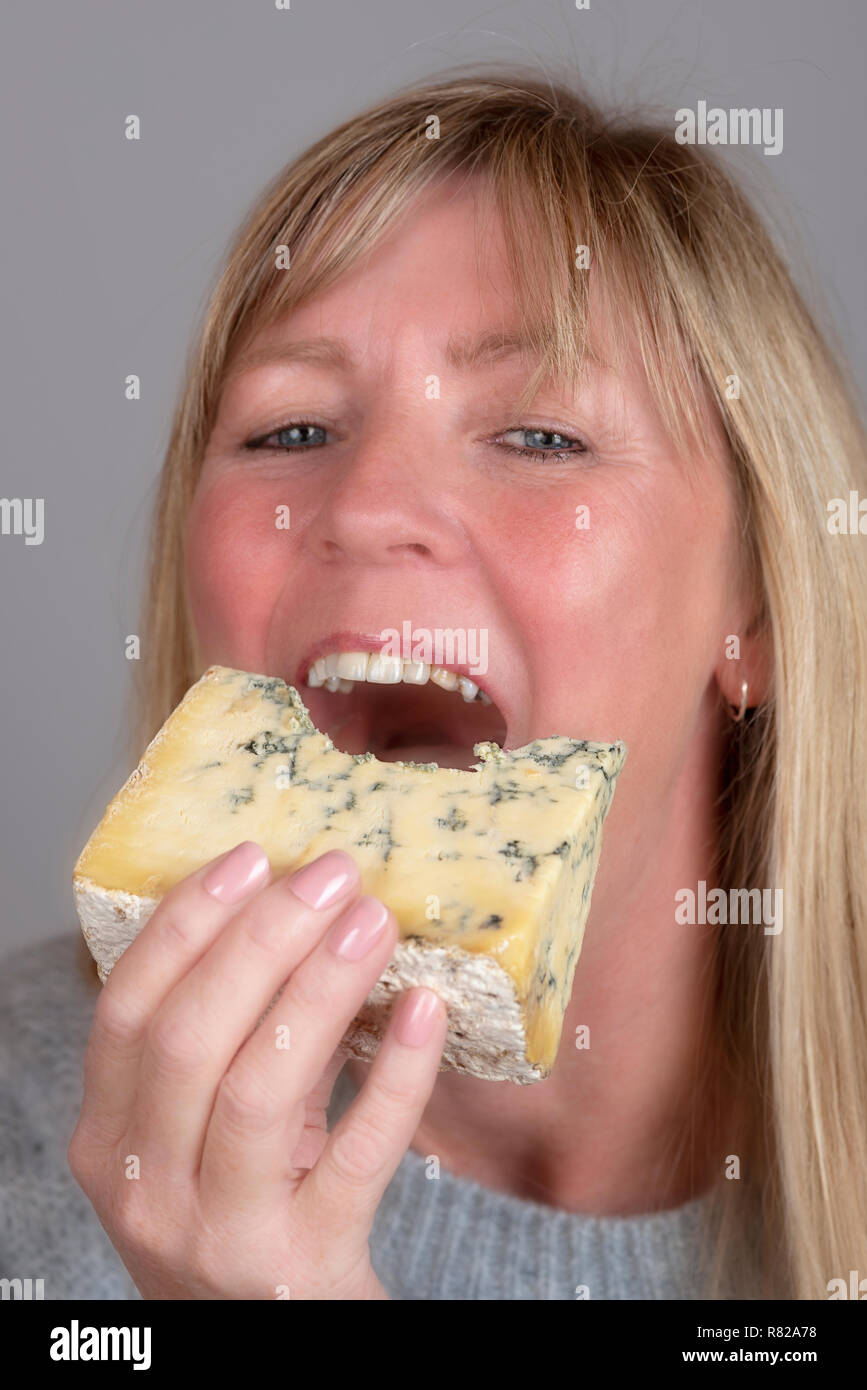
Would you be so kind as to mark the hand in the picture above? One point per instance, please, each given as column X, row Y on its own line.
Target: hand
column 202, row 1140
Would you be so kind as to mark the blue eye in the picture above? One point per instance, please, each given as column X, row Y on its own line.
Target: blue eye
column 290, row 438
column 293, row 437
column 549, row 444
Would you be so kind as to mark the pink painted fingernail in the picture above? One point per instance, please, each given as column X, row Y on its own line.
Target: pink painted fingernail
column 359, row 930
column 238, row 872
column 328, row 878
column 417, row 1013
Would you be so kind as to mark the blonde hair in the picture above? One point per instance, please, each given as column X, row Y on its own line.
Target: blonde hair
column 689, row 268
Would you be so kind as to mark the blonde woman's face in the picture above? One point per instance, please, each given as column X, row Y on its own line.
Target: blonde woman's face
column 398, row 486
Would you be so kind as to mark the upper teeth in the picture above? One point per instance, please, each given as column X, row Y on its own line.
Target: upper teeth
column 340, row 671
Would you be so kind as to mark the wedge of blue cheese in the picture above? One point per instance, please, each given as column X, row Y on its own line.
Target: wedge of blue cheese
column 488, row 871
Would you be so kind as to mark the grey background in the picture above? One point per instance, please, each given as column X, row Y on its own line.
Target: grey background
column 110, row 248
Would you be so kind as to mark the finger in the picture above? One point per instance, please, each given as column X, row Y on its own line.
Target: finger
column 214, row 1009
column 185, row 923
column 314, row 1135
column 261, row 1107
column 318, row 1100
column 369, row 1140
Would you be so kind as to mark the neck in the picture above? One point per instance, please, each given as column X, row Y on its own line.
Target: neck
column 632, row 1122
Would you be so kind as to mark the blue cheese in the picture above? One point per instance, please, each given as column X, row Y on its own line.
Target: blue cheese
column 488, row 871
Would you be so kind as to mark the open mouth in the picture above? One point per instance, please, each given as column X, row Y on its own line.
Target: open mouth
column 400, row 709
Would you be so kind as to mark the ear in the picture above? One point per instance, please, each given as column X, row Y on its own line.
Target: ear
column 747, row 656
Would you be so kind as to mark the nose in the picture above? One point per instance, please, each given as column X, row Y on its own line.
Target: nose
column 396, row 500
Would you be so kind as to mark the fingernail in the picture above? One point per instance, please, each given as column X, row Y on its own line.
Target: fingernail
column 356, row 933
column 328, row 878
column 417, row 1013
column 238, row 872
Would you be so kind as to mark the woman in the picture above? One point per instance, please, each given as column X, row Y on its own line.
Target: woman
column 512, row 365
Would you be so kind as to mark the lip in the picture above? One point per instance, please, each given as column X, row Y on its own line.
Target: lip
column 346, row 640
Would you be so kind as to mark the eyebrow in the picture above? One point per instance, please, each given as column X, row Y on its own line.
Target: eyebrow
column 463, row 352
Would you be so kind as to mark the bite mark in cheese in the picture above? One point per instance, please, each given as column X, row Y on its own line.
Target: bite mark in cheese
column 488, row 871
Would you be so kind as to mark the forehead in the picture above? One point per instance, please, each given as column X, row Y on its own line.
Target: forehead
column 437, row 286
column 440, row 273
column 435, row 294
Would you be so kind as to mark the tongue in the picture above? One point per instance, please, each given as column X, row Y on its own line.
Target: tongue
column 444, row 754
column 423, row 743
column 417, row 743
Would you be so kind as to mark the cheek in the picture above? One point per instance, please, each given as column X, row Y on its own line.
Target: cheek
column 236, row 565
column 621, row 617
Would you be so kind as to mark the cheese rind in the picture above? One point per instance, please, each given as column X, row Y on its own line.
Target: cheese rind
column 488, row 871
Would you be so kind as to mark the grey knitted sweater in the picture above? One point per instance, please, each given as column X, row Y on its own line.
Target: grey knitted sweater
column 447, row 1238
